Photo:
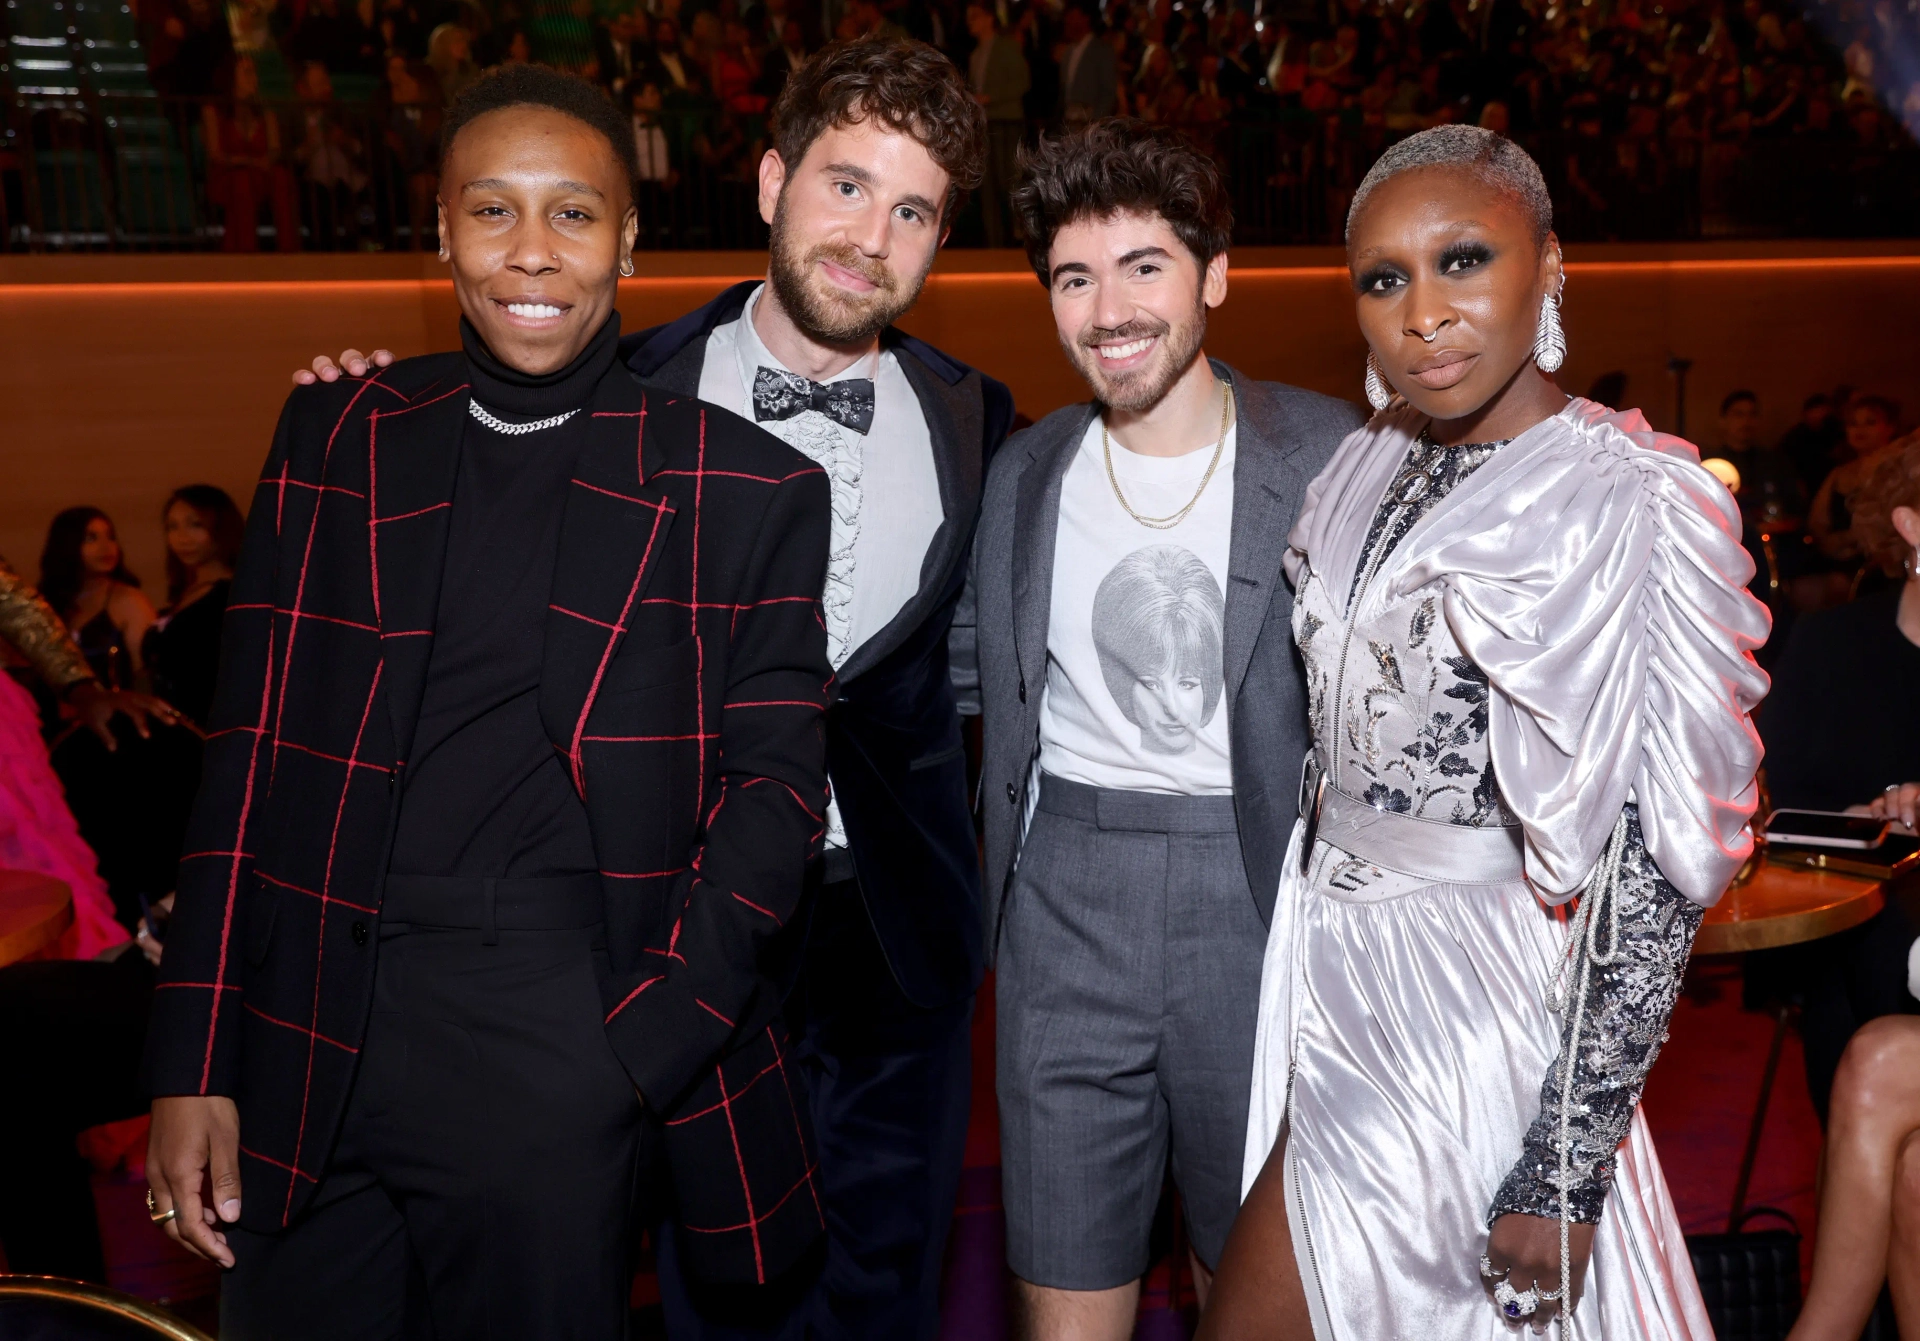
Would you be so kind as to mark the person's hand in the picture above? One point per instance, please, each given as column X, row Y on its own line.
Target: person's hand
column 95, row 706
column 1899, row 803
column 1525, row 1250
column 355, row 363
column 195, row 1142
column 143, row 936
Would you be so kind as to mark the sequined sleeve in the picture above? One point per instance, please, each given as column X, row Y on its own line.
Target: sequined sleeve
column 29, row 624
column 1628, row 1005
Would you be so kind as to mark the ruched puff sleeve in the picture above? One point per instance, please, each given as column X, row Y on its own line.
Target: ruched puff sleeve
column 1594, row 571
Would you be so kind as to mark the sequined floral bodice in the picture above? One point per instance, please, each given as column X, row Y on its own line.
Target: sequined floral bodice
column 1398, row 711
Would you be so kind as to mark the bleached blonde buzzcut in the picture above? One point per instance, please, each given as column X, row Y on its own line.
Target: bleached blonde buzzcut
column 1497, row 160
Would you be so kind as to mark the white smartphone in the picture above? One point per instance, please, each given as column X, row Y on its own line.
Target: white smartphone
column 1827, row 828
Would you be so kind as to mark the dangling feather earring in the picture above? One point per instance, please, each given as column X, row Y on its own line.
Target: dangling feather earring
column 1378, row 394
column 1550, row 340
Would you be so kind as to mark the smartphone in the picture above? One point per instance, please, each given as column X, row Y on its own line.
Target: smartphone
column 1827, row 828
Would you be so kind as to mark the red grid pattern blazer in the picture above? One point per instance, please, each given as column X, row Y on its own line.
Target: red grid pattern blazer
column 684, row 680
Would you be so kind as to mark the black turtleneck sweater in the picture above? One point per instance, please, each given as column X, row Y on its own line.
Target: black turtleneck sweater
column 484, row 792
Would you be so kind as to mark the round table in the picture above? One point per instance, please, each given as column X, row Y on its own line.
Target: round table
column 34, row 910
column 1786, row 904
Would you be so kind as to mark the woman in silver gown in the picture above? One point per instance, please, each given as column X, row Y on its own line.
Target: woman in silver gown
column 1528, row 650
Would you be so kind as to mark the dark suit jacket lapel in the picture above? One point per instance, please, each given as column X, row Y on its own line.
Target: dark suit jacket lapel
column 1036, row 512
column 1266, row 495
column 956, row 427
column 614, row 529
column 414, row 456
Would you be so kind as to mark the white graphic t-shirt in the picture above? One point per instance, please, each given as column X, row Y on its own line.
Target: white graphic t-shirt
column 1135, row 696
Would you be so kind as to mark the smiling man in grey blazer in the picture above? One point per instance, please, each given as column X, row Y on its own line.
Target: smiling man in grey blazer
column 1145, row 721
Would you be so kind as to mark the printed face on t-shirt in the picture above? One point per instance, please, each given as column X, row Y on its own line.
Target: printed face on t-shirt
column 1157, row 629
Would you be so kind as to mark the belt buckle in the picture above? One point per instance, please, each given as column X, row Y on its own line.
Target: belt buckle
column 1313, row 792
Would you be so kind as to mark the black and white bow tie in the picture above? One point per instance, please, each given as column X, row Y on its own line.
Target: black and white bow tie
column 779, row 394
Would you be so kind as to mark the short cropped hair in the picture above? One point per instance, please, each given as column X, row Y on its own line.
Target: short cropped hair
column 904, row 85
column 1733, row 398
column 539, row 86
column 1494, row 158
column 1121, row 166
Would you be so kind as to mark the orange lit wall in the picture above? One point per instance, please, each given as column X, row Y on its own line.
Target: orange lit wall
column 123, row 377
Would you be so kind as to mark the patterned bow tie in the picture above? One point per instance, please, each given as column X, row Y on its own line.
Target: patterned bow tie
column 778, row 394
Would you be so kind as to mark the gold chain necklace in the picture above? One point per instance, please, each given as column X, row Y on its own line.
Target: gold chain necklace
column 1173, row 519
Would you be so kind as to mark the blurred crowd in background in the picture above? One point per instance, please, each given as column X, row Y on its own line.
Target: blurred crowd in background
column 315, row 121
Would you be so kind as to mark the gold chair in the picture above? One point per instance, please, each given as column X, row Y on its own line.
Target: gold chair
column 47, row 1306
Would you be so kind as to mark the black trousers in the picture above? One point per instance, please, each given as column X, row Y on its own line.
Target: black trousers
column 483, row 1177
column 888, row 1084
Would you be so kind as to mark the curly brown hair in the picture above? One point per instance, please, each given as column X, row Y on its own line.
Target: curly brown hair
column 1121, row 165
column 906, row 85
column 1893, row 483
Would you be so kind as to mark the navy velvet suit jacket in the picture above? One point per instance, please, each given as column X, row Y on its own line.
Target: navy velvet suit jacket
column 893, row 728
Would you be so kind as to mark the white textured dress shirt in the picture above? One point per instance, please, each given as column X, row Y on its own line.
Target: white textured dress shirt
column 886, row 491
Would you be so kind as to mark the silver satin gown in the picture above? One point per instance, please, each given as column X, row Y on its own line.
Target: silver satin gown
column 1564, row 632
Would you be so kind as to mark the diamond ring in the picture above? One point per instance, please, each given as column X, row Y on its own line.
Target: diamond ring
column 1515, row 1304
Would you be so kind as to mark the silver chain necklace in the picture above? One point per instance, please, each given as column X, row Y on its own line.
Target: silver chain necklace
column 499, row 425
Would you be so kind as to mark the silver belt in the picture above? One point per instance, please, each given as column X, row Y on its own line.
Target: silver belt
column 1454, row 854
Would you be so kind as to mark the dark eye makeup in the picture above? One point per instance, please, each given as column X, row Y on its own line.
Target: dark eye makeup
column 1379, row 279
column 1462, row 256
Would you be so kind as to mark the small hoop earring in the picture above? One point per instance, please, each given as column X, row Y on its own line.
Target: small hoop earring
column 626, row 268
column 443, row 253
column 1550, row 338
column 1379, row 395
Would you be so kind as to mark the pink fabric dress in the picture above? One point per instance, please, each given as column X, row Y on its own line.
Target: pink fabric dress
column 37, row 831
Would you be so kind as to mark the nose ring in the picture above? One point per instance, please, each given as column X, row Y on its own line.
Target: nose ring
column 1429, row 339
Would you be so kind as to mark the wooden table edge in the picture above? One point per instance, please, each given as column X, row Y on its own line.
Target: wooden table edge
column 31, row 940
column 1768, row 933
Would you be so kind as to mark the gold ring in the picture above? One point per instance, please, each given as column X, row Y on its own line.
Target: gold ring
column 161, row 1217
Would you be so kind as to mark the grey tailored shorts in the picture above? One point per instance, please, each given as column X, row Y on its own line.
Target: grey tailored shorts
column 1126, row 988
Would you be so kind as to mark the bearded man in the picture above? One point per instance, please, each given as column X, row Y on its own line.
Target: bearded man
column 1145, row 726
column 876, row 143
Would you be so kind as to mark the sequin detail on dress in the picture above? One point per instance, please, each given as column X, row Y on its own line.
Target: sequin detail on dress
column 1629, row 1003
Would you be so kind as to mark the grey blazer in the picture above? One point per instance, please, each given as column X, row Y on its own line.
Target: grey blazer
column 1285, row 437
